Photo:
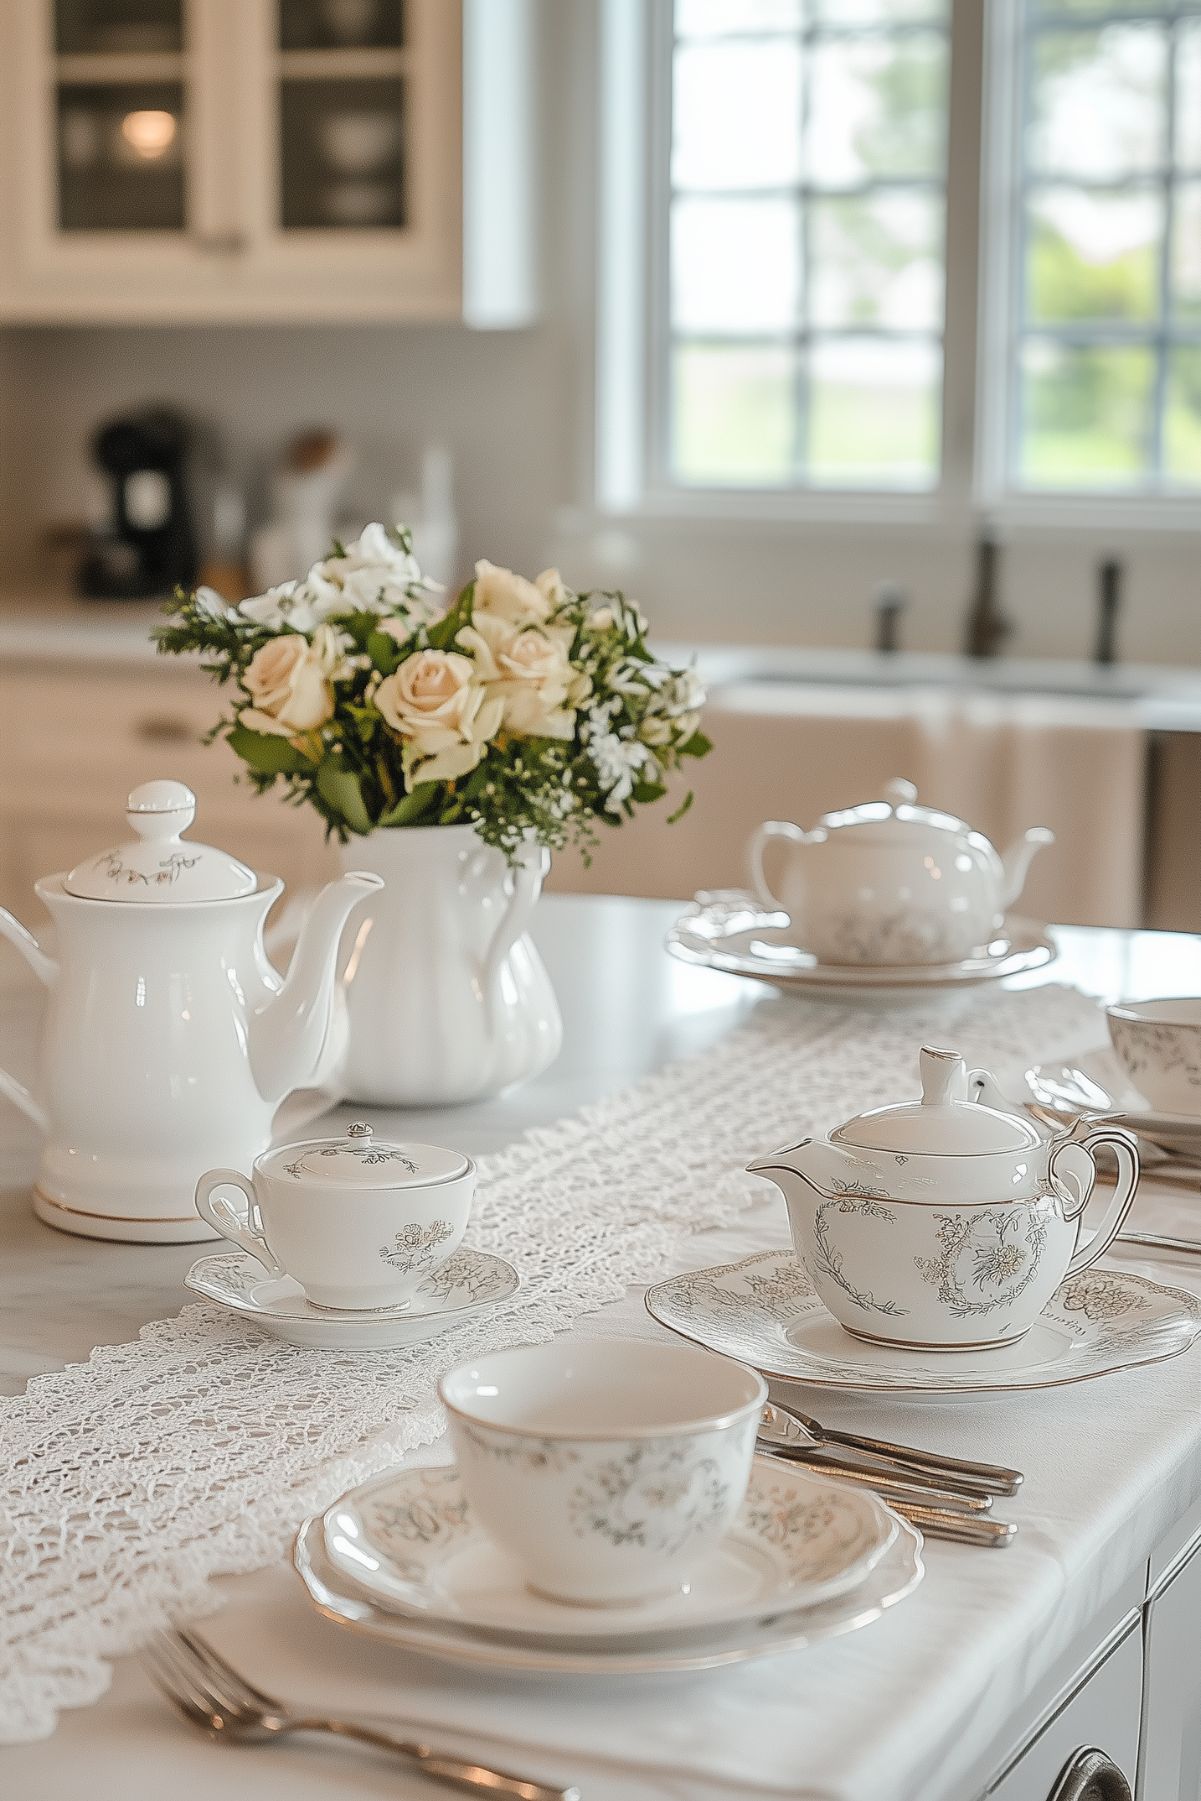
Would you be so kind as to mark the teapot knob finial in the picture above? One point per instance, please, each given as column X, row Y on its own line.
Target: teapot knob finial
column 899, row 792
column 360, row 1129
column 161, row 809
column 944, row 1077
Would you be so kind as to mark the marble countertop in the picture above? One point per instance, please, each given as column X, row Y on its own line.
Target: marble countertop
column 628, row 1009
column 48, row 626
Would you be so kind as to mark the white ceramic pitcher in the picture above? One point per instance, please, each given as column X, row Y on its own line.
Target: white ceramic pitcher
column 447, row 999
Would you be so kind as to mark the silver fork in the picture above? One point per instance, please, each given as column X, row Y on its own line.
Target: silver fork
column 213, row 1696
column 959, row 1472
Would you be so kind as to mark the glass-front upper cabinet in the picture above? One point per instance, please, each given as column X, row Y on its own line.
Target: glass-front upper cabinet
column 267, row 159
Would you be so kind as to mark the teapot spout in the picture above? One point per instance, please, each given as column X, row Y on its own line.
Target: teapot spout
column 812, row 1164
column 287, row 1033
column 1016, row 860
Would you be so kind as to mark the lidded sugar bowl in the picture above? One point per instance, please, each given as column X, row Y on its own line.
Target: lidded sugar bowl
column 892, row 881
column 168, row 1039
column 948, row 1222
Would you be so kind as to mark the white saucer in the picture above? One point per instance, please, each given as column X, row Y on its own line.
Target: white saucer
column 409, row 1541
column 764, row 1312
column 895, row 1575
column 464, row 1283
column 1096, row 1083
column 728, row 930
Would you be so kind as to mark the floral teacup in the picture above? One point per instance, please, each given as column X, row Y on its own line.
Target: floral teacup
column 359, row 1223
column 608, row 1470
column 1159, row 1044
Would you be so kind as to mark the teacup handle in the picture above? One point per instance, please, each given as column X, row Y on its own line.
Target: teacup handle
column 770, row 829
column 1125, row 1152
column 244, row 1229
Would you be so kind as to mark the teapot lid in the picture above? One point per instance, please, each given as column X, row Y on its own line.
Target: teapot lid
column 157, row 865
column 361, row 1160
column 893, row 815
column 946, row 1121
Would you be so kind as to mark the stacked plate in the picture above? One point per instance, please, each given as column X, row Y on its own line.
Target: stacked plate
column 730, row 931
column 402, row 1558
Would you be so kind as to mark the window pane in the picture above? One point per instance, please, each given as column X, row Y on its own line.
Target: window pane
column 1093, row 7
column 116, row 27
column 342, row 162
column 709, row 18
column 877, row 260
column 733, row 414
column 341, row 24
column 1086, row 414
column 1096, row 101
column 878, row 12
column 873, row 413
column 1182, row 419
column 877, row 106
column 735, row 265
column 1094, row 256
column 1186, row 254
column 737, row 115
column 1188, row 95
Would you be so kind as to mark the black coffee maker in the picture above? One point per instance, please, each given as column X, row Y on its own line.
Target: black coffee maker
column 148, row 548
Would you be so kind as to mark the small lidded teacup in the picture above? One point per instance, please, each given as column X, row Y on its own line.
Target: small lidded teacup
column 358, row 1221
column 608, row 1470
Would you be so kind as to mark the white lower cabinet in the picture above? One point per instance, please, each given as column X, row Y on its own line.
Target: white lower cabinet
column 1170, row 1763
column 1102, row 1714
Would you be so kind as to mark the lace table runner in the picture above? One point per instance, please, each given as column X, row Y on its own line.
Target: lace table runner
column 129, row 1481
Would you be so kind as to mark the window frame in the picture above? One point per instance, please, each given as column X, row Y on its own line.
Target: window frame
column 980, row 318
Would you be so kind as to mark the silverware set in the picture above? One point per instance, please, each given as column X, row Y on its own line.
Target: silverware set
column 946, row 1497
column 213, row 1696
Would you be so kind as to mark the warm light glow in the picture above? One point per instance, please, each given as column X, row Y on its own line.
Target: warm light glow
column 150, row 133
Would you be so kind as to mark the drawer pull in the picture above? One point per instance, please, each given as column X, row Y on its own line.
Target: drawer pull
column 1090, row 1775
column 161, row 728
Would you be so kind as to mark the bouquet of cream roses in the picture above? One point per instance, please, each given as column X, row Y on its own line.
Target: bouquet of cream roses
column 521, row 708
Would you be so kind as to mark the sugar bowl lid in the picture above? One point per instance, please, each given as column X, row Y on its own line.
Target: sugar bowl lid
column 361, row 1160
column 947, row 1121
column 157, row 865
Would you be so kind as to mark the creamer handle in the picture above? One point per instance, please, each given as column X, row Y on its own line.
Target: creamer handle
column 1124, row 1149
column 771, row 828
column 242, row 1229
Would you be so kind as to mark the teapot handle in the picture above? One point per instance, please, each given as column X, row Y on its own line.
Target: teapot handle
column 770, row 829
column 526, row 879
column 1125, row 1152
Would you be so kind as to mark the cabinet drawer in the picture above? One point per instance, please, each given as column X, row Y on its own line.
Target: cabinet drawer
column 73, row 733
column 1104, row 1711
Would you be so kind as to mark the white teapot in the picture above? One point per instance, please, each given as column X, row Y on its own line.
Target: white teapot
column 169, row 1040
column 946, row 1224
column 893, row 882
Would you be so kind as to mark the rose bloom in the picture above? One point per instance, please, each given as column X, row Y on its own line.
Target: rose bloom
column 528, row 668
column 436, row 703
column 512, row 597
column 290, row 683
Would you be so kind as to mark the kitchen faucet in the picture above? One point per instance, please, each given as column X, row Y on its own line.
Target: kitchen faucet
column 987, row 626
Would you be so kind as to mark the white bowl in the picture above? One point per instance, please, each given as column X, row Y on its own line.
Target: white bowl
column 608, row 1470
column 1159, row 1046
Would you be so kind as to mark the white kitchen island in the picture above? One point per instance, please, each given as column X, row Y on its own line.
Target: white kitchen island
column 1086, row 1632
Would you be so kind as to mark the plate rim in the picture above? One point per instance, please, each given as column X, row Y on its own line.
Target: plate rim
column 1149, row 1117
column 867, row 1387
column 862, row 978
column 477, row 1650
column 330, row 1317
column 779, row 1603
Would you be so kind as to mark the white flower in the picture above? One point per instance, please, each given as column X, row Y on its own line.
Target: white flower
column 290, row 683
column 616, row 613
column 285, row 608
column 437, row 704
column 512, row 598
column 617, row 761
column 212, row 603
